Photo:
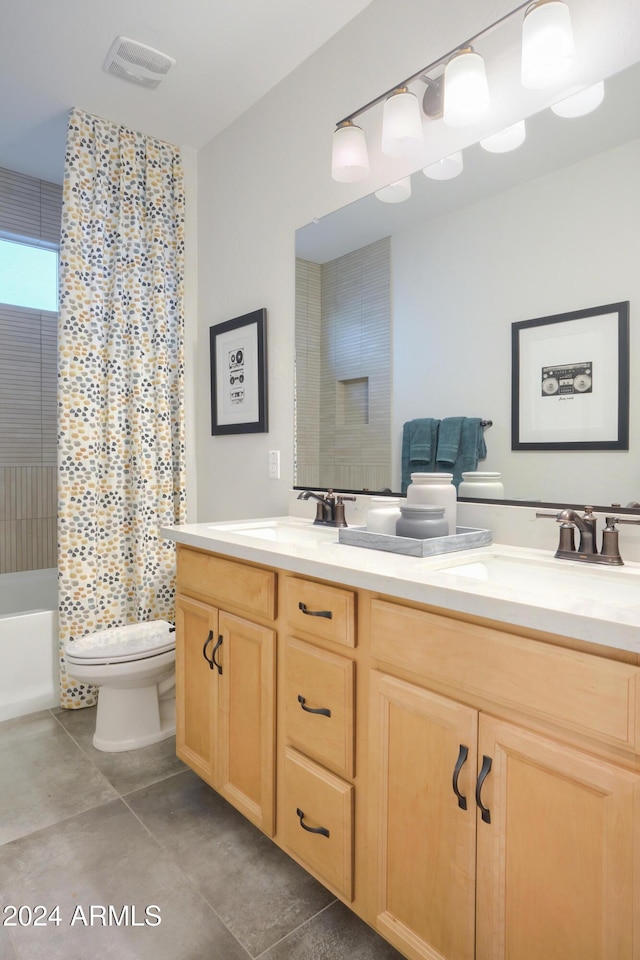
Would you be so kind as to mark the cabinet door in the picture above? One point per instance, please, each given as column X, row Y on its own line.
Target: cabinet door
column 196, row 687
column 556, row 863
column 247, row 718
column 423, row 838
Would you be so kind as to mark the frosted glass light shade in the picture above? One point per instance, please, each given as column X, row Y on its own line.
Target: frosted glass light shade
column 349, row 160
column 505, row 140
column 547, row 44
column 401, row 124
column 445, row 169
column 582, row 102
column 395, row 192
column 466, row 92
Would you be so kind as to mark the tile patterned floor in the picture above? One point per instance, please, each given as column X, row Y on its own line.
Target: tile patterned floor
column 81, row 829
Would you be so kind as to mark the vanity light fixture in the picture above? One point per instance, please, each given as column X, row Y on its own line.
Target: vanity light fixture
column 461, row 95
column 547, row 44
column 395, row 192
column 581, row 103
column 505, row 140
column 350, row 160
column 445, row 169
column 401, row 123
column 466, row 92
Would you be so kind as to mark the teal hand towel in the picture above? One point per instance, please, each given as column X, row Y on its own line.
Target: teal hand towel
column 420, row 440
column 419, row 443
column 449, row 440
column 472, row 447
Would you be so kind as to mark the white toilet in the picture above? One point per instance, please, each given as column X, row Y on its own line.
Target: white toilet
column 134, row 667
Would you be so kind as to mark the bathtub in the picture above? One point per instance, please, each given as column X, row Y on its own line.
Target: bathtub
column 29, row 679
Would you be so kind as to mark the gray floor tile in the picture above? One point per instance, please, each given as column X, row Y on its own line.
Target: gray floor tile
column 256, row 889
column 6, row 947
column 45, row 778
column 105, row 857
column 125, row 771
column 335, row 934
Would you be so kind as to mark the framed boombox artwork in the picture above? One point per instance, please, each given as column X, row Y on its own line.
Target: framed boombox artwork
column 238, row 350
column 570, row 380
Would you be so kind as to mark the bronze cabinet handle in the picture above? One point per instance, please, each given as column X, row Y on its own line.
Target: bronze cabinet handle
column 204, row 649
column 323, row 711
column 482, row 776
column 460, row 762
column 214, row 662
column 321, row 830
column 315, row 613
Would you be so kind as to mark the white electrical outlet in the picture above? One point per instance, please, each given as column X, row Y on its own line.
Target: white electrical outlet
column 274, row 464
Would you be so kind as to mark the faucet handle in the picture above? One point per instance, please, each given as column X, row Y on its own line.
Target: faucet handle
column 610, row 547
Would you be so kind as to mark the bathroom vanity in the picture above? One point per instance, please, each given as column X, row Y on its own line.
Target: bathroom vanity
column 450, row 744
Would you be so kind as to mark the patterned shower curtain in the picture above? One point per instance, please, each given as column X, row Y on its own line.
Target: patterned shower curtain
column 121, row 457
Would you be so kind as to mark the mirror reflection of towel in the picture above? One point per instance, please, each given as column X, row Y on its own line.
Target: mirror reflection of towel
column 419, row 445
column 449, row 437
column 460, row 445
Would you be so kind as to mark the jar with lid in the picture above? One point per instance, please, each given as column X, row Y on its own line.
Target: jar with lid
column 383, row 514
column 481, row 484
column 438, row 489
column 421, row 521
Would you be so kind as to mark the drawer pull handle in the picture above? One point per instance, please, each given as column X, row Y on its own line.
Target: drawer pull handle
column 321, row 710
column 204, row 649
column 484, row 773
column 214, row 662
column 321, row 830
column 460, row 762
column 315, row 613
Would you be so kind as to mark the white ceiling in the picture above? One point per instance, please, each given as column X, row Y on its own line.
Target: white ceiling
column 229, row 53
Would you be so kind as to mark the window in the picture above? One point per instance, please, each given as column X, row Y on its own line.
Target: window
column 28, row 275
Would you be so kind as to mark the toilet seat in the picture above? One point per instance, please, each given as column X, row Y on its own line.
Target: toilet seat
column 135, row 641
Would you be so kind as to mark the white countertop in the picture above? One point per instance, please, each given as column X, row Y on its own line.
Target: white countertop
column 526, row 588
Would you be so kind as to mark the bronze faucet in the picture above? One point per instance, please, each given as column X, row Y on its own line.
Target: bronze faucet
column 329, row 509
column 587, row 551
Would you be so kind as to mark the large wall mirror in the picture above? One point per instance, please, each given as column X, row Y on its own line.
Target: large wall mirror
column 405, row 310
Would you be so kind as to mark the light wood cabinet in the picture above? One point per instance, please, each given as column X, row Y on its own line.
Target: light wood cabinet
column 197, row 688
column 472, row 793
column 225, row 701
column 318, row 821
column 494, row 842
column 319, row 695
column 423, row 842
column 556, row 865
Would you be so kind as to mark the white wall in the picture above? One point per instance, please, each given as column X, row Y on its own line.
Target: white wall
column 269, row 173
column 459, row 282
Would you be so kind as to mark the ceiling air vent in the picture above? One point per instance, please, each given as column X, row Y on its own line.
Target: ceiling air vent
column 137, row 62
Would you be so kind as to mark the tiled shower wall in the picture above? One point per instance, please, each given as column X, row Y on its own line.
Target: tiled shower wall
column 29, row 210
column 343, row 403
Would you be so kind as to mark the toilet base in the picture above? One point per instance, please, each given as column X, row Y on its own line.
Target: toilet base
column 130, row 718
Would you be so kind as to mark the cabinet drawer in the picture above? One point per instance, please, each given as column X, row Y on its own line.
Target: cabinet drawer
column 324, row 681
column 316, row 800
column 214, row 579
column 321, row 610
column 581, row 692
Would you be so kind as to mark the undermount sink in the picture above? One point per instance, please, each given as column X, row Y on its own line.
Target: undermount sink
column 290, row 531
column 553, row 578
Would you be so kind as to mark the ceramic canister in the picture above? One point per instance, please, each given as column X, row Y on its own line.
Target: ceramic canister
column 422, row 521
column 383, row 514
column 481, row 484
column 435, row 488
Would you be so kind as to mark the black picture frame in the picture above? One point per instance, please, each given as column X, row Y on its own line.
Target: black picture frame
column 238, row 353
column 570, row 380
